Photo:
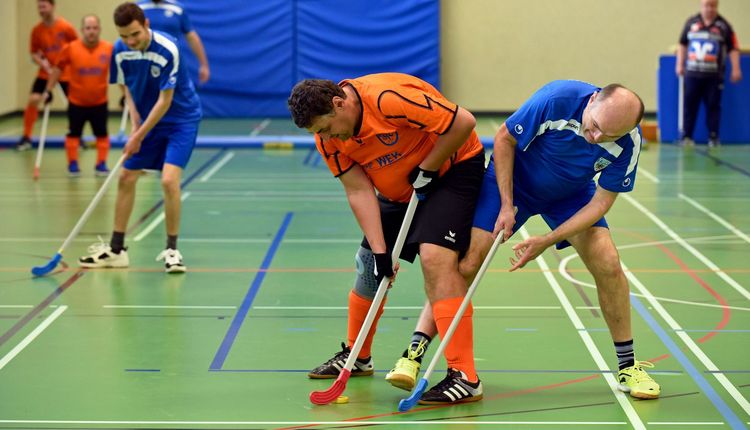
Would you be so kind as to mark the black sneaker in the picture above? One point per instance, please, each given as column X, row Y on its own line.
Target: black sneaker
column 453, row 389
column 23, row 144
column 331, row 368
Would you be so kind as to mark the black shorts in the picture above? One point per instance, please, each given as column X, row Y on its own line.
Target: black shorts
column 444, row 218
column 40, row 85
column 95, row 115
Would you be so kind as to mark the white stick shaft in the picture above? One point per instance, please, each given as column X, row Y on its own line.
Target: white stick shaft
column 123, row 122
column 465, row 304
column 93, row 204
column 42, row 138
column 383, row 287
column 680, row 105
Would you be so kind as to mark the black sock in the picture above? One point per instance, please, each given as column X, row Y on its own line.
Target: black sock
column 625, row 354
column 117, row 243
column 171, row 241
column 416, row 339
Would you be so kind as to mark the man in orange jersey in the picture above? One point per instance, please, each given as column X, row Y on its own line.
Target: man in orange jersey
column 48, row 38
column 87, row 63
column 384, row 135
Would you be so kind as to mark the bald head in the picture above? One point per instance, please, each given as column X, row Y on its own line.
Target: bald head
column 611, row 114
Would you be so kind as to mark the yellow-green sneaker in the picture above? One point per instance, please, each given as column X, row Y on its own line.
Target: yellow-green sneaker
column 635, row 380
column 404, row 373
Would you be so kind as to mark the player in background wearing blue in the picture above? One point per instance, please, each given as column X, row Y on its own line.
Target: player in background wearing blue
column 545, row 158
column 169, row 16
column 165, row 113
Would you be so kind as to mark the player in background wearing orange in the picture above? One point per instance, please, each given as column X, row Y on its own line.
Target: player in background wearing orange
column 87, row 63
column 48, row 38
column 384, row 136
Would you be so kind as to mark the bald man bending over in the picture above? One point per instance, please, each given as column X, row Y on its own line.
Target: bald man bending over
column 544, row 160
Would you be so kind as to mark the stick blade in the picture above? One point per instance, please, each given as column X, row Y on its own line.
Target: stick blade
column 409, row 402
column 36, row 173
column 47, row 268
column 332, row 393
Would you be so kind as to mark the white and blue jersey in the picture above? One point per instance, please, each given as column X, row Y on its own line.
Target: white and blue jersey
column 157, row 68
column 554, row 165
column 167, row 16
column 553, row 160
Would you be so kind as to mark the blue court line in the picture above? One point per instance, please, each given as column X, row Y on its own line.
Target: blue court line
column 677, row 353
column 247, row 302
column 309, row 156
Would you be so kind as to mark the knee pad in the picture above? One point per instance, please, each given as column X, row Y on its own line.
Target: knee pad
column 366, row 285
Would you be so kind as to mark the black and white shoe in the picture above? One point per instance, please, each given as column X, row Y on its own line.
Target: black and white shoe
column 331, row 368
column 172, row 261
column 23, row 144
column 453, row 389
column 101, row 255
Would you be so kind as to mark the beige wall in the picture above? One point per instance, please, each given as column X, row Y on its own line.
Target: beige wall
column 495, row 53
column 8, row 51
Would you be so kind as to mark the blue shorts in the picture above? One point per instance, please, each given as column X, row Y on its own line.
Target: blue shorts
column 553, row 213
column 165, row 143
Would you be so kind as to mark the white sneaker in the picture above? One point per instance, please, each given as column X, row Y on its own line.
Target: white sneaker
column 101, row 255
column 172, row 261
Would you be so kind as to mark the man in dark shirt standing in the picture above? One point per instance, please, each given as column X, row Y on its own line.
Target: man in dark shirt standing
column 705, row 42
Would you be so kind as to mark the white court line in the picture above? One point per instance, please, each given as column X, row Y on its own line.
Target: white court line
column 734, row 284
column 260, row 127
column 689, row 342
column 650, row 176
column 427, row 424
column 716, row 218
column 165, row 307
column 561, row 268
column 217, row 166
column 401, row 307
column 588, row 341
column 31, row 336
column 156, row 221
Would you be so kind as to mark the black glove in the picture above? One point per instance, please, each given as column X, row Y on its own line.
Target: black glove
column 383, row 266
column 47, row 97
column 423, row 181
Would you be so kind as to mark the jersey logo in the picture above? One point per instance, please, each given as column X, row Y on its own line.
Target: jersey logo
column 155, row 71
column 388, row 139
column 104, row 58
column 701, row 49
column 388, row 159
column 626, row 182
column 518, row 128
column 601, row 163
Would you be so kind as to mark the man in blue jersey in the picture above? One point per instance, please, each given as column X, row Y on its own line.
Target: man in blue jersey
column 169, row 16
column 165, row 113
column 545, row 158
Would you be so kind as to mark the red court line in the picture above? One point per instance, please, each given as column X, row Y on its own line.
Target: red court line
column 684, row 268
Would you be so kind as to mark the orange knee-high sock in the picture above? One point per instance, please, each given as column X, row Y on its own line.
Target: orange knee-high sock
column 71, row 147
column 358, row 307
column 459, row 353
column 29, row 118
column 102, row 149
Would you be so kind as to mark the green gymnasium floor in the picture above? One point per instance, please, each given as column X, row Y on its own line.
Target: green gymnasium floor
column 269, row 241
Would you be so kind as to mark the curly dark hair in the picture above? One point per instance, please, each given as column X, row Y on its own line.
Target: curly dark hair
column 312, row 98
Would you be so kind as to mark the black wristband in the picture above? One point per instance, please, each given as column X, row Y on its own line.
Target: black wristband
column 383, row 266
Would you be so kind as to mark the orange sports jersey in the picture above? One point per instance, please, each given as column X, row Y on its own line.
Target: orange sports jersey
column 50, row 41
column 402, row 117
column 88, row 69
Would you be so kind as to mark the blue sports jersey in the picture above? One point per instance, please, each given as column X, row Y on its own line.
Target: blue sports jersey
column 167, row 16
column 553, row 160
column 157, row 68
